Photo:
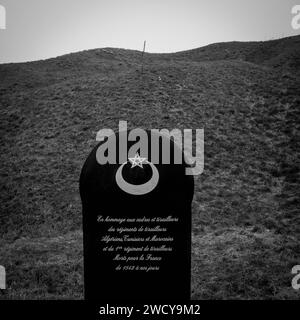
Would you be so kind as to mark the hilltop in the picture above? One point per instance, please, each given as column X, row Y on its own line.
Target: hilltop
column 246, row 206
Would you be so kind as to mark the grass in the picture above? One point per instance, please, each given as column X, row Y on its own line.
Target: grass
column 246, row 205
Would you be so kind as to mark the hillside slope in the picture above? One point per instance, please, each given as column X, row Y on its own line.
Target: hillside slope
column 246, row 206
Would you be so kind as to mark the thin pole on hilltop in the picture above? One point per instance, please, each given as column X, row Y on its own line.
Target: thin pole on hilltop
column 143, row 56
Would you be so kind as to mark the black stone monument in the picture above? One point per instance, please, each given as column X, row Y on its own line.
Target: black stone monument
column 137, row 241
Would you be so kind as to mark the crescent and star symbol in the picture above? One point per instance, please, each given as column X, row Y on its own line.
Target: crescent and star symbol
column 141, row 188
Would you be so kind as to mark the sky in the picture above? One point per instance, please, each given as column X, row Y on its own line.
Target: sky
column 40, row 29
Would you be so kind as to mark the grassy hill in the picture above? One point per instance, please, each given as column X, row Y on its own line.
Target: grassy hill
column 246, row 228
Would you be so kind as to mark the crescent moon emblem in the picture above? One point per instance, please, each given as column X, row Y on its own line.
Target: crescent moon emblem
column 139, row 189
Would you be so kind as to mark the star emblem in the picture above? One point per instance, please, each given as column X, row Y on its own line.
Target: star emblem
column 137, row 161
